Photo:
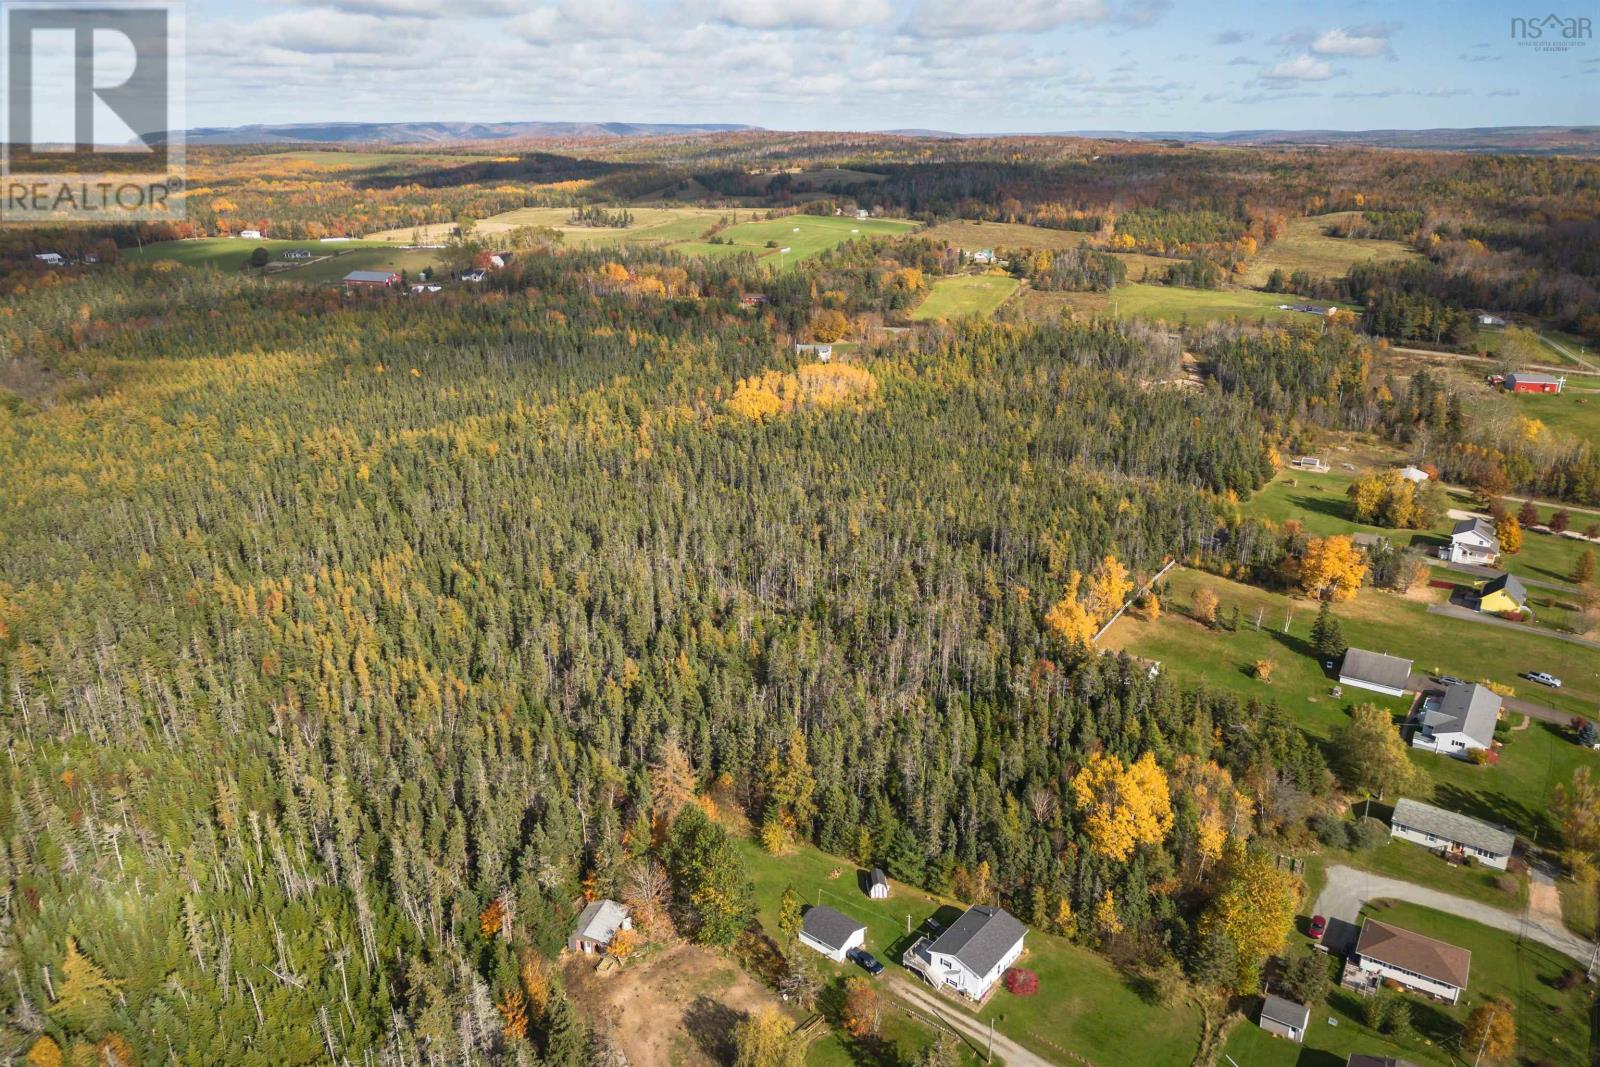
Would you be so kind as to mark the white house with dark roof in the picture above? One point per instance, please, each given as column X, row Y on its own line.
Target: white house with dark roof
column 1451, row 833
column 1456, row 721
column 598, row 926
column 831, row 932
column 1472, row 541
column 1376, row 671
column 972, row 954
column 1284, row 1017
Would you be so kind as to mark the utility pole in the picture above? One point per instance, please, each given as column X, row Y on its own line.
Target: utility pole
column 1288, row 613
column 991, row 1041
column 1485, row 1039
column 1259, row 612
column 908, row 922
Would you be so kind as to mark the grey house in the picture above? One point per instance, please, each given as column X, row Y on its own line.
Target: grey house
column 1285, row 1018
column 1456, row 721
column 1388, row 675
column 1451, row 833
column 831, row 932
column 972, row 954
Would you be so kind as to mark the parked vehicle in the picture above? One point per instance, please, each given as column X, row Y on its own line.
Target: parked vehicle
column 1449, row 679
column 1319, row 926
column 1545, row 679
column 866, row 961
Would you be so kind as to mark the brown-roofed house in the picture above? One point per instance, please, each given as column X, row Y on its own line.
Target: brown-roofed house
column 1421, row 963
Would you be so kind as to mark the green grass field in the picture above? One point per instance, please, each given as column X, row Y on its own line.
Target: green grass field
column 333, row 263
column 802, row 235
column 650, row 224
column 1552, row 1025
column 1306, row 246
column 1412, row 863
column 1572, row 411
column 1169, row 303
column 1083, row 1005
column 1515, row 793
column 965, row 294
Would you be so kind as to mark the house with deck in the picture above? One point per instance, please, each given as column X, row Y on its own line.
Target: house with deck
column 1456, row 721
column 1422, row 964
column 972, row 954
column 1451, row 834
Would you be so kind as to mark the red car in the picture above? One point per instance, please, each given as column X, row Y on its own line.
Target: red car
column 1319, row 925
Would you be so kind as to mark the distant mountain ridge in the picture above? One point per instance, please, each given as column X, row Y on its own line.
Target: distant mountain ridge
column 1578, row 140
column 442, row 132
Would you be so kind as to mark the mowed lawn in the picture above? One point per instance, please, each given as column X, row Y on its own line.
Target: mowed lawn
column 650, row 224
column 1319, row 503
column 331, row 261
column 1572, row 411
column 965, row 294
column 802, row 235
column 1515, row 793
column 1170, row 303
column 1305, row 245
column 1083, row 1005
column 1552, row 1024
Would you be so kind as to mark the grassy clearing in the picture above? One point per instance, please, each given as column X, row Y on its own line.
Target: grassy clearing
column 966, row 294
column 659, row 224
column 1580, row 907
column 1169, row 303
column 1083, row 1005
column 332, row 262
column 1552, row 1024
column 802, row 235
column 972, row 235
column 1572, row 411
column 1515, row 793
column 1305, row 245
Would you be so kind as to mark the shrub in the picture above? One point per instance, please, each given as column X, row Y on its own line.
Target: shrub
column 1369, row 832
column 1508, row 884
column 1571, row 978
column 1021, row 981
column 1331, row 830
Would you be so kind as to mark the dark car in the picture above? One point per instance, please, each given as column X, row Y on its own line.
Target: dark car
column 866, row 961
column 1319, row 926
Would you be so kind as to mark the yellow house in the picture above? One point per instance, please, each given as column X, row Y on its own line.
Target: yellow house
column 1501, row 595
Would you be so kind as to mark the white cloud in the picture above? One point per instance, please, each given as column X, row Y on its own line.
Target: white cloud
column 425, row 9
column 321, row 30
column 1302, row 68
column 817, row 14
column 1362, row 43
column 958, row 18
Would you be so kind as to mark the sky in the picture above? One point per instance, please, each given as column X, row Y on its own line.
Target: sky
column 966, row 66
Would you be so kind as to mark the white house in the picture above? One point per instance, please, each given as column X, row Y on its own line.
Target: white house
column 822, row 353
column 1472, row 541
column 1414, row 474
column 51, row 259
column 598, row 926
column 1419, row 963
column 1285, row 1018
column 1486, row 319
column 983, row 255
column 831, row 932
column 877, row 884
column 1451, row 833
column 1456, row 721
column 972, row 954
column 250, row 235
column 1388, row 675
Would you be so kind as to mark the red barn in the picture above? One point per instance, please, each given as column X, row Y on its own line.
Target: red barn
column 1523, row 382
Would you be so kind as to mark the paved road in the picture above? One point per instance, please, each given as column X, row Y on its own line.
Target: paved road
column 1490, row 572
column 1422, row 683
column 1348, row 889
column 957, row 1017
column 1490, row 620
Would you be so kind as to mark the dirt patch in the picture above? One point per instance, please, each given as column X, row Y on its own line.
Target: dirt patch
column 1544, row 903
column 677, row 1007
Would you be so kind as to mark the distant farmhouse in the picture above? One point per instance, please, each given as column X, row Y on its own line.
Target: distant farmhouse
column 1453, row 835
column 1486, row 319
column 972, row 954
column 1527, row 382
column 831, row 932
column 598, row 926
column 1413, row 474
column 1472, row 541
column 1423, row 964
column 1314, row 464
column 1456, row 722
column 51, row 259
column 371, row 279
column 822, row 353
column 1388, row 675
column 250, row 235
column 983, row 256
column 1502, row 595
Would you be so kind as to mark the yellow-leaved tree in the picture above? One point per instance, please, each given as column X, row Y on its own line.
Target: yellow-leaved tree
column 1123, row 805
column 1333, row 568
column 1255, row 908
column 1068, row 619
column 1108, row 588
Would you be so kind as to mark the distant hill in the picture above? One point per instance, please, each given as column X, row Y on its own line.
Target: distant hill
column 439, row 132
column 1543, row 139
